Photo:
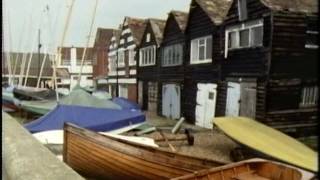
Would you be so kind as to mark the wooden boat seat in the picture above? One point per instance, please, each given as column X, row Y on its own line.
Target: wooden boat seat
column 250, row 175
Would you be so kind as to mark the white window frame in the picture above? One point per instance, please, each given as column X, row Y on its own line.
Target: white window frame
column 147, row 56
column 148, row 37
column 197, row 61
column 131, row 56
column 237, row 28
column 112, row 64
column 130, row 38
column 121, row 58
column 311, row 46
column 123, row 90
column 121, row 41
column 309, row 96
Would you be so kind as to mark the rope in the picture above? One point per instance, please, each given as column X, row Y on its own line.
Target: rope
column 88, row 41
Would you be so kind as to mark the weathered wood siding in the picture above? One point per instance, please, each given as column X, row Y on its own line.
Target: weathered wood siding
column 147, row 72
column 248, row 61
column 290, row 58
column 175, row 74
column 200, row 25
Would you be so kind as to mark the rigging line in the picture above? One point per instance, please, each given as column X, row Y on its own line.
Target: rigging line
column 25, row 44
column 58, row 55
column 9, row 48
column 51, row 34
column 88, row 41
column 19, row 48
column 45, row 49
column 31, row 54
column 24, row 55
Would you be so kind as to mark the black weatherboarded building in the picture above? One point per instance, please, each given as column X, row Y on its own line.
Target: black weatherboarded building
column 204, row 52
column 171, row 66
column 147, row 65
column 269, row 67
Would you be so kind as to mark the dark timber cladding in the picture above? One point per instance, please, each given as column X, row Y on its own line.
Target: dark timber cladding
column 147, row 75
column 202, row 64
column 283, row 64
column 171, row 69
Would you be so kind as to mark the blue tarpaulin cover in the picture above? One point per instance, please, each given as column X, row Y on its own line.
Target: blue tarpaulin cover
column 125, row 103
column 96, row 119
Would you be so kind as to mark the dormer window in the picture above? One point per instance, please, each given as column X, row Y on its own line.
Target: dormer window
column 242, row 10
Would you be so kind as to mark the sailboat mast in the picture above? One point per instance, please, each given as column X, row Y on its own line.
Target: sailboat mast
column 88, row 41
column 58, row 56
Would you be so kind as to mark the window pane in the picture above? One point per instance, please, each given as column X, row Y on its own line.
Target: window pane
column 232, row 39
column 256, row 36
column 170, row 55
column 244, row 38
column 194, row 50
column 179, row 54
column 173, row 54
column 201, row 52
column 209, row 48
column 201, row 42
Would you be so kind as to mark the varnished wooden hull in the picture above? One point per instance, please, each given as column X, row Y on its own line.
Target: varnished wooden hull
column 98, row 156
column 249, row 169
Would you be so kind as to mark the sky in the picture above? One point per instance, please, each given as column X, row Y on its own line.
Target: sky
column 22, row 20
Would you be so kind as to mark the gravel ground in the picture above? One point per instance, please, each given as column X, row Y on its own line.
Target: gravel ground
column 208, row 143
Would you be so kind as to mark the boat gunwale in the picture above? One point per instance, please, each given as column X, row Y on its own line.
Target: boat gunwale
column 69, row 127
column 234, row 165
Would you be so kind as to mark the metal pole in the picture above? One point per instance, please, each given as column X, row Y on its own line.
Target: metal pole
column 117, row 84
column 39, row 47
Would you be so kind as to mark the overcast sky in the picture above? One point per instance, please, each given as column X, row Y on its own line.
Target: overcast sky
column 22, row 19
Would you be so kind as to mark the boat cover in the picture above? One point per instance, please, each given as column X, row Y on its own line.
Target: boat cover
column 28, row 93
column 77, row 97
column 126, row 104
column 96, row 119
column 268, row 141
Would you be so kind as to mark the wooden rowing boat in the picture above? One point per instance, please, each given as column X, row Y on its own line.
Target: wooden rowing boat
column 254, row 169
column 98, row 156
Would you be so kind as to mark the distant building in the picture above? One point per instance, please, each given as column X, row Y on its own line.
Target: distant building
column 125, row 78
column 100, row 57
column 147, row 65
column 26, row 68
column 71, row 59
column 112, row 62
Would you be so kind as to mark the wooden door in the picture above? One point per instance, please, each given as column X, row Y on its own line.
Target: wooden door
column 152, row 96
column 171, row 101
column 248, row 99
column 233, row 99
column 206, row 104
column 145, row 95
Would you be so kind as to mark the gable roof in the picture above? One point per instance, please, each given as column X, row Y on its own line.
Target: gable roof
column 103, row 35
column 181, row 18
column 216, row 9
column 137, row 27
column 157, row 26
column 306, row 6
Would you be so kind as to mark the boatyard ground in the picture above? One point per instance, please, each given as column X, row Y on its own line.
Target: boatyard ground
column 209, row 144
